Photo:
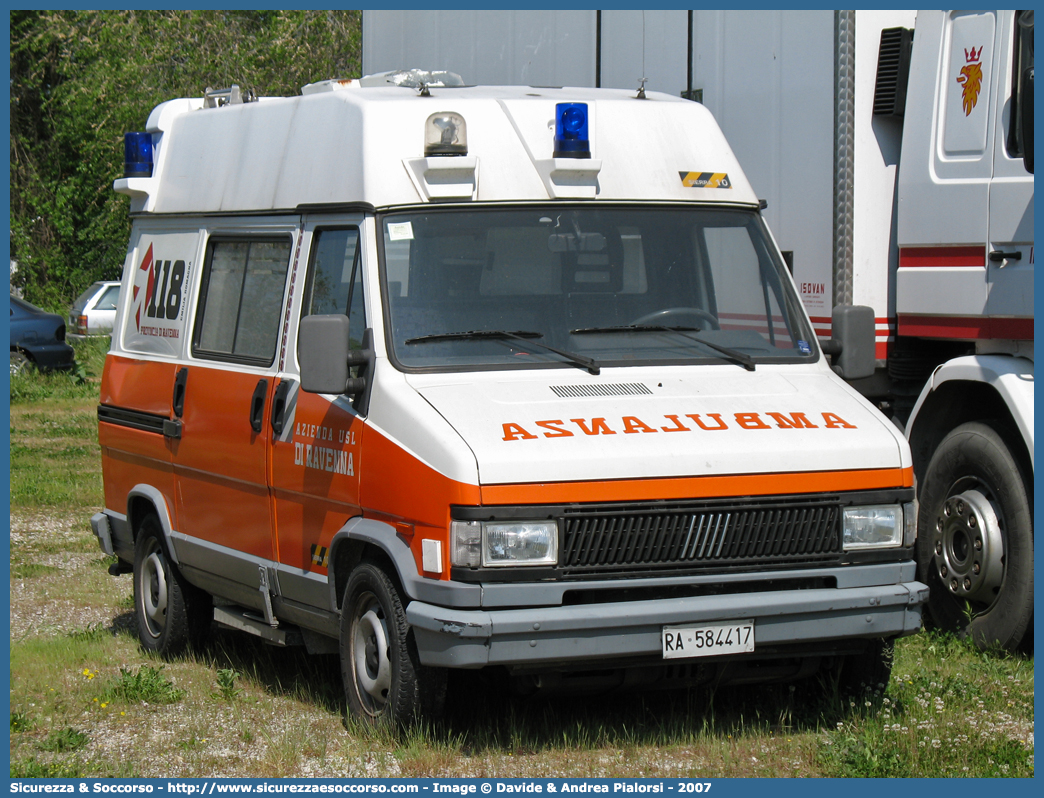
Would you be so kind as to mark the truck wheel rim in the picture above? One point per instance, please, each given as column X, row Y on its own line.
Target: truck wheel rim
column 373, row 668
column 154, row 592
column 969, row 545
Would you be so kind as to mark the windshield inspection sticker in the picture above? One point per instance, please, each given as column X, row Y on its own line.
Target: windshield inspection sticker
column 400, row 231
column 804, row 348
column 705, row 180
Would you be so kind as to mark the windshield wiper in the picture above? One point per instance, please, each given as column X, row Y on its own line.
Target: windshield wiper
column 525, row 336
column 742, row 358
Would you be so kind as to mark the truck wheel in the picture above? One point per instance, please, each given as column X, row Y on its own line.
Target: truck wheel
column 171, row 612
column 383, row 679
column 975, row 539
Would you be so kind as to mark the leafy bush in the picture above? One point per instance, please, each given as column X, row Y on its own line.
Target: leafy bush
column 147, row 684
column 81, row 79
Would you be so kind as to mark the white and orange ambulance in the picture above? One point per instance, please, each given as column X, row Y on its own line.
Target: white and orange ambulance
column 441, row 376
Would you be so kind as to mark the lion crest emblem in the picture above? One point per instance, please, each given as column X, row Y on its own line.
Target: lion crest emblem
column 970, row 79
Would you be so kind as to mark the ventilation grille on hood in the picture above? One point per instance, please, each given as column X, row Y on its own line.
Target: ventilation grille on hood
column 618, row 389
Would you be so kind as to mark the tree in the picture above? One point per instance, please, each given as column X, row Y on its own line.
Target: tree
column 80, row 79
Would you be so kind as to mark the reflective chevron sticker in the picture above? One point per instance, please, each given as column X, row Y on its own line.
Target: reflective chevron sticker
column 320, row 556
column 705, row 180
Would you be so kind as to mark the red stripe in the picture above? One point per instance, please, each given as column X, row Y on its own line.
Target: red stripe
column 943, row 257
column 966, row 327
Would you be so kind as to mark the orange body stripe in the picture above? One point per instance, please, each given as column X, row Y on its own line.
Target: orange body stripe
column 697, row 487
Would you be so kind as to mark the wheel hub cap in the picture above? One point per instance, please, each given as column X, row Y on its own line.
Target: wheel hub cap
column 154, row 593
column 372, row 667
column 969, row 548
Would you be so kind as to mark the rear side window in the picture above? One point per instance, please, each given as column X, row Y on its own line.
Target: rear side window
column 108, row 300
column 240, row 299
column 84, row 298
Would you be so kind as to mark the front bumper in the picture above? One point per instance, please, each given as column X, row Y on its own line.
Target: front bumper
column 564, row 635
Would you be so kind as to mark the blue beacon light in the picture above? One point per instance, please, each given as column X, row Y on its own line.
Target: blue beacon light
column 137, row 155
column 571, row 138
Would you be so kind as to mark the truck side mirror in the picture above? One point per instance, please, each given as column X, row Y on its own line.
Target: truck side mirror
column 1026, row 98
column 326, row 357
column 853, row 342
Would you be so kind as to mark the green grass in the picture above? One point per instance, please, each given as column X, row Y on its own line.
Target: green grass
column 86, row 700
column 29, row 570
column 55, row 459
column 147, row 684
column 63, row 740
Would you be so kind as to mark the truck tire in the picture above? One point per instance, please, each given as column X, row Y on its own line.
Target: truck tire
column 975, row 539
column 171, row 612
column 384, row 681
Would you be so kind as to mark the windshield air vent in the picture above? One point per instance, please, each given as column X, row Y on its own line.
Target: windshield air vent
column 620, row 389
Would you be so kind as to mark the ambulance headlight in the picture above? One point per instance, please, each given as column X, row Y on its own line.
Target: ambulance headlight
column 503, row 543
column 445, row 133
column 571, row 136
column 878, row 526
column 137, row 155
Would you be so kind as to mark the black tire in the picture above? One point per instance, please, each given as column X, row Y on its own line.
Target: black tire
column 869, row 672
column 171, row 613
column 975, row 539
column 384, row 681
column 19, row 361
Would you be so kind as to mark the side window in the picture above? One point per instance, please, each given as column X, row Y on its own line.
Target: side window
column 1022, row 60
column 241, row 298
column 335, row 280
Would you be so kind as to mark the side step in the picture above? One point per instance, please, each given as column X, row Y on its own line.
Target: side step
column 246, row 621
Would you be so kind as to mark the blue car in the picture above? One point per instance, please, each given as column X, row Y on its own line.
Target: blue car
column 37, row 338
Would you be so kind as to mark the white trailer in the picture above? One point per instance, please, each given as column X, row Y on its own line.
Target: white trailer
column 896, row 160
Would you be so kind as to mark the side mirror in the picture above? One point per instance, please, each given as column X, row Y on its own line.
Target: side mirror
column 854, row 341
column 326, row 357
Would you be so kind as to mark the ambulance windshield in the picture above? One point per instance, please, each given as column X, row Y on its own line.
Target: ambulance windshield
column 619, row 286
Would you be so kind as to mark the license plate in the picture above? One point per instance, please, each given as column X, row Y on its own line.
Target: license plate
column 708, row 640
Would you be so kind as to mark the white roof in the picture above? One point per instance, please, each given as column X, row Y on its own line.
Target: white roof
column 351, row 144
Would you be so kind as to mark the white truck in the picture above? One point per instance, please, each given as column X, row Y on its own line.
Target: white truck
column 924, row 212
column 894, row 150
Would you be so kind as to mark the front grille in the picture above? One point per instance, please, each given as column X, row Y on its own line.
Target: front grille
column 701, row 536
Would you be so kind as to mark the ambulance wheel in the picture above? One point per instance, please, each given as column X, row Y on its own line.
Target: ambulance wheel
column 384, row 681
column 975, row 539
column 663, row 316
column 171, row 612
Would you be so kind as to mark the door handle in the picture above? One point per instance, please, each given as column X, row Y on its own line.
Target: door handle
column 997, row 256
column 178, row 402
column 279, row 406
column 257, row 405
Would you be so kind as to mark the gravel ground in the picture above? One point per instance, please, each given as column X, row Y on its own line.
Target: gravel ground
column 38, row 605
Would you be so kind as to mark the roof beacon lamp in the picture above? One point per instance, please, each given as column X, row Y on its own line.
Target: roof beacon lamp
column 571, row 139
column 137, row 155
column 445, row 133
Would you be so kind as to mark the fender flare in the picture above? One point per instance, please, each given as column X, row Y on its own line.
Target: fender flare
column 1011, row 378
column 387, row 539
column 159, row 503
